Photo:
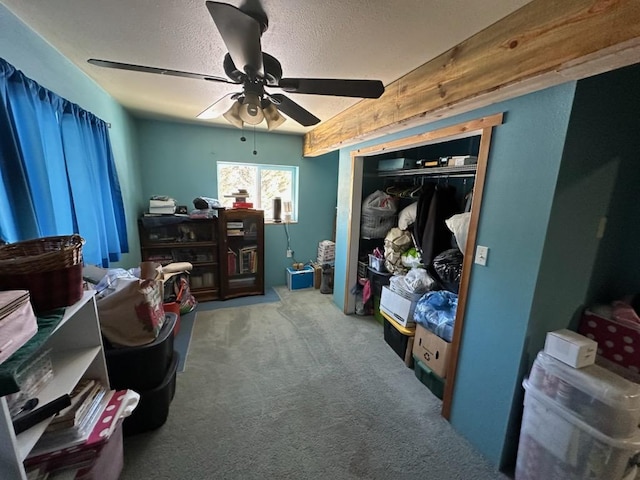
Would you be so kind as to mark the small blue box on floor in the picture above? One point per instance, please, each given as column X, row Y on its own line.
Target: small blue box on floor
column 299, row 279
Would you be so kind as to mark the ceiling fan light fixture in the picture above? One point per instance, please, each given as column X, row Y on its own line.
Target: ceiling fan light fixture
column 250, row 110
column 233, row 115
column 273, row 117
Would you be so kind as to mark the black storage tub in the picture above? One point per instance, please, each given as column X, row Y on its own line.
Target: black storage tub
column 143, row 367
column 153, row 409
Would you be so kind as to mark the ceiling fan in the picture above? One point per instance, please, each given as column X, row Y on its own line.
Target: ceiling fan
column 247, row 65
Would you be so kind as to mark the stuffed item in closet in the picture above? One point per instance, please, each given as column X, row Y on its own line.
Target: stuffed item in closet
column 378, row 215
column 395, row 244
column 447, row 269
column 459, row 226
column 435, row 205
column 416, row 282
column 436, row 311
column 411, row 258
column 407, row 216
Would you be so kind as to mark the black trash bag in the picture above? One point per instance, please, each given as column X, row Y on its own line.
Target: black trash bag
column 326, row 286
column 446, row 268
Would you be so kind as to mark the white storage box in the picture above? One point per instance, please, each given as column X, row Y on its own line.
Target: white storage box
column 555, row 444
column 597, row 396
column 571, row 348
column 397, row 307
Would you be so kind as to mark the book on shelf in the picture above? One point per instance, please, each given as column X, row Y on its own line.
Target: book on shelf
column 169, row 210
column 81, row 398
column 248, row 259
column 235, row 233
column 79, row 432
column 232, row 262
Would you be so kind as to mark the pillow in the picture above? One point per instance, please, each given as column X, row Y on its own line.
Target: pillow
column 407, row 216
column 459, row 226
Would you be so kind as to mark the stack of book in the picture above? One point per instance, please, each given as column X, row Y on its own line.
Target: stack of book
column 160, row 205
column 248, row 259
column 235, row 229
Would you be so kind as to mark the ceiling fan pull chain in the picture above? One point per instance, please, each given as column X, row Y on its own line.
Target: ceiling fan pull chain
column 255, row 152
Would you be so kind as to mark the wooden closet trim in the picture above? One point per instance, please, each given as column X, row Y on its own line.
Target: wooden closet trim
column 482, row 126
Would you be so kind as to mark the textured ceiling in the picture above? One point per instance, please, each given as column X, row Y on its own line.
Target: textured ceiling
column 369, row 39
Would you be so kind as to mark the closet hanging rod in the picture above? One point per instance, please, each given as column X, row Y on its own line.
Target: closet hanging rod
column 454, row 175
column 468, row 170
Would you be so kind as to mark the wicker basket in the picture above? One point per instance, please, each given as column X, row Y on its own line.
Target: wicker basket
column 49, row 267
column 41, row 254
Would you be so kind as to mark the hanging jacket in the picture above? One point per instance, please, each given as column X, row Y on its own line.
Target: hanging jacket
column 435, row 205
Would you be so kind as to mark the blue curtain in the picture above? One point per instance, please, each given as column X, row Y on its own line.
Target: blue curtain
column 57, row 172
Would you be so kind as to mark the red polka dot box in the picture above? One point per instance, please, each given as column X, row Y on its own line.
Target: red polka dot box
column 618, row 337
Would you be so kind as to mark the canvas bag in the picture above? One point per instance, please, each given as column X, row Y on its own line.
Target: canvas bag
column 132, row 314
column 176, row 289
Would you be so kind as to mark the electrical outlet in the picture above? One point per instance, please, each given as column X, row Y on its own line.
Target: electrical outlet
column 481, row 255
column 289, row 253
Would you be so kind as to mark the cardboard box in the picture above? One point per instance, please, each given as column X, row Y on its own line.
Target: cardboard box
column 299, row 279
column 317, row 275
column 431, row 350
column 571, row 348
column 397, row 307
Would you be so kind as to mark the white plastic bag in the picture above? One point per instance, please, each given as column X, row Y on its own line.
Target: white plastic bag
column 379, row 204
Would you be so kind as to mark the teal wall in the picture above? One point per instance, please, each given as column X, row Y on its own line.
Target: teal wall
column 521, row 178
column 524, row 163
column 29, row 53
column 179, row 160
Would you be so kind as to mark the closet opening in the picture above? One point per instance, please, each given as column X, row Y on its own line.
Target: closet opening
column 451, row 160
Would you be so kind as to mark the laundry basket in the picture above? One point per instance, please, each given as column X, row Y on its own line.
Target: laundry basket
column 49, row 267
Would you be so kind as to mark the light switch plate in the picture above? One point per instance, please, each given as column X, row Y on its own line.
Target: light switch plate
column 481, row 255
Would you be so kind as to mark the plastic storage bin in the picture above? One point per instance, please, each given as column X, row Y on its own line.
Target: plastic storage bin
column 428, row 378
column 153, row 408
column 596, row 396
column 299, row 279
column 143, row 367
column 400, row 339
column 377, row 263
column 556, row 444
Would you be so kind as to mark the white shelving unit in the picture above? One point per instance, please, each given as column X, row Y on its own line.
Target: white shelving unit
column 76, row 352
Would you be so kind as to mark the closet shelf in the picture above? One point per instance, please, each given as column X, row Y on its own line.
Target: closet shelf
column 464, row 170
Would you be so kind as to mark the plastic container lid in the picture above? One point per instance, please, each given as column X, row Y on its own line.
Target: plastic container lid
column 595, row 381
column 409, row 332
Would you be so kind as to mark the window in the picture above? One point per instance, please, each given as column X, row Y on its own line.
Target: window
column 263, row 182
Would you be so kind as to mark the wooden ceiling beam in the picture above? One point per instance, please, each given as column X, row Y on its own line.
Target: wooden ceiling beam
column 544, row 43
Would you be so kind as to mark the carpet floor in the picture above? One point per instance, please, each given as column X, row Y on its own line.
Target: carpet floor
column 182, row 340
column 297, row 390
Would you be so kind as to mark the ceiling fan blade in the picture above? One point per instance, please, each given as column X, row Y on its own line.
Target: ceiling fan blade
column 333, row 86
column 241, row 34
column 219, row 107
column 160, row 71
column 293, row 110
